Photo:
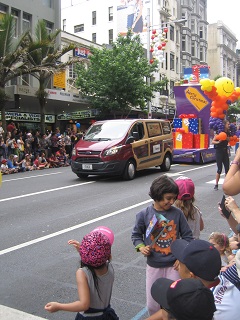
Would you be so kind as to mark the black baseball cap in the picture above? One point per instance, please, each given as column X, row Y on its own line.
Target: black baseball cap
column 199, row 256
column 186, row 299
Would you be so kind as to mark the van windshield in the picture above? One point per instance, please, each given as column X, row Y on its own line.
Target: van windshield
column 107, row 131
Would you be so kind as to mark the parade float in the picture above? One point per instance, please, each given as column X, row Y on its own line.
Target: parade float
column 201, row 106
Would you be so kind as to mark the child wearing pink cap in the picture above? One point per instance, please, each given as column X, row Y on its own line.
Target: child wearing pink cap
column 94, row 278
column 185, row 202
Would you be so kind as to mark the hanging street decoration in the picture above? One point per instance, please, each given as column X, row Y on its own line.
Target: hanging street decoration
column 158, row 44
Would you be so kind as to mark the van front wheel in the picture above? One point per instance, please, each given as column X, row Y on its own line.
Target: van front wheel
column 130, row 170
column 166, row 165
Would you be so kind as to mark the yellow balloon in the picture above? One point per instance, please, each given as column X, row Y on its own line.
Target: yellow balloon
column 224, row 86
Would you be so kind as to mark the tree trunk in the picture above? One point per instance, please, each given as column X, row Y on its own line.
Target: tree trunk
column 42, row 125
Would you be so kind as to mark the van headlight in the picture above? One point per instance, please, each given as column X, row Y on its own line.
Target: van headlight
column 112, row 151
column 74, row 152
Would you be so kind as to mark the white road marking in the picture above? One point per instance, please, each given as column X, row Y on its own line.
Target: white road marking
column 38, row 176
column 45, row 191
column 55, row 234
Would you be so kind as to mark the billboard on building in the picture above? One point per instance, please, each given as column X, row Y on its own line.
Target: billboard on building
column 132, row 14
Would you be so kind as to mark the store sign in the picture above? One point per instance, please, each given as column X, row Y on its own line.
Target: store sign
column 29, row 117
column 91, row 113
column 81, row 52
column 59, row 80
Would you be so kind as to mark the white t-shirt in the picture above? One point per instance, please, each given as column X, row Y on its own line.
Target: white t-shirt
column 227, row 300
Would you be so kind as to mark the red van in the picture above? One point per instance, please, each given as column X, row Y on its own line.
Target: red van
column 122, row 147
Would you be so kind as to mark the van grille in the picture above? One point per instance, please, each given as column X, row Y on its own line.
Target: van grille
column 88, row 160
column 94, row 153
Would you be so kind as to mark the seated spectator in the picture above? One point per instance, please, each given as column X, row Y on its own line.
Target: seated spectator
column 10, row 164
column 53, row 161
column 27, row 162
column 38, row 164
column 43, row 160
column 62, row 158
column 18, row 164
column 4, row 167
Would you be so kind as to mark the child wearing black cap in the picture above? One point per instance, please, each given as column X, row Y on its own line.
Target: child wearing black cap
column 186, row 299
column 156, row 227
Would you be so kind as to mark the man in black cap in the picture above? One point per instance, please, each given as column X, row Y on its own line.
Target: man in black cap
column 186, row 299
column 199, row 259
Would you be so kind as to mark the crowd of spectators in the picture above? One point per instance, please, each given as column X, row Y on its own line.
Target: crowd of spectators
column 32, row 150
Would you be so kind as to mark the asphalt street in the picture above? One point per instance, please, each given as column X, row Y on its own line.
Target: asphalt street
column 42, row 210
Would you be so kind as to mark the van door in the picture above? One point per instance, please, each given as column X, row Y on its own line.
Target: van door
column 140, row 147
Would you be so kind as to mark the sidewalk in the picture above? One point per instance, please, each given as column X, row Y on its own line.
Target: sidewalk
column 12, row 314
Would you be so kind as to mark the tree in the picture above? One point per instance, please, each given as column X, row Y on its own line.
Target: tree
column 44, row 55
column 13, row 59
column 115, row 79
column 233, row 111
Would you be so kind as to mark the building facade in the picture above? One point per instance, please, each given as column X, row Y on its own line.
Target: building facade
column 222, row 54
column 63, row 101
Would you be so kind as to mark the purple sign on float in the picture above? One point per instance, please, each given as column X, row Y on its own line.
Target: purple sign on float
column 190, row 99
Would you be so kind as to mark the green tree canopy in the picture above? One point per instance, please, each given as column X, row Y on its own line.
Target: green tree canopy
column 115, row 79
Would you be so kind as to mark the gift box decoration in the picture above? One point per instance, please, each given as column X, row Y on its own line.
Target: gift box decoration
column 183, row 140
column 194, row 126
column 177, row 123
column 185, row 124
column 200, row 141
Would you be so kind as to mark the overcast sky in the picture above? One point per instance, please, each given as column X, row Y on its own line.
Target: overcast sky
column 228, row 12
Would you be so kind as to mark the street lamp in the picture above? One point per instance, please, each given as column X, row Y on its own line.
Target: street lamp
column 149, row 27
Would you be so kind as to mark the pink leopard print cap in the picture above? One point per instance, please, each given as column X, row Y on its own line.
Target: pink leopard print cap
column 95, row 249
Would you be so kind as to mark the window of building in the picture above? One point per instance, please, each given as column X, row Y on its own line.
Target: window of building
column 26, row 22
column 110, row 13
column 177, row 65
column 193, row 26
column 172, row 60
column 201, row 32
column 201, row 54
column 94, row 37
column 94, row 18
column 71, row 71
column 3, row 10
column 172, row 33
column 79, row 28
column 25, row 80
column 193, row 48
column 64, row 24
column 49, row 27
column 183, row 43
column 15, row 15
column 110, row 36
column 47, row 3
column 166, row 61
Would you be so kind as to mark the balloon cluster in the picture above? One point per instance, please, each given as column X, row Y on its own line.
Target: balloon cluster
column 222, row 93
column 158, row 44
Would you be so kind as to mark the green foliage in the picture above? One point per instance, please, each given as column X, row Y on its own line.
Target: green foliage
column 233, row 111
column 115, row 79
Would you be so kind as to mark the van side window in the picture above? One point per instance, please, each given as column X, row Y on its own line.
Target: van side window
column 166, row 127
column 154, row 129
column 138, row 127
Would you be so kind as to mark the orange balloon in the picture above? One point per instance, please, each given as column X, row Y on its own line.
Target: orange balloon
column 222, row 136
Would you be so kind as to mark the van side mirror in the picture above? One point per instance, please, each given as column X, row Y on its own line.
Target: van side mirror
column 130, row 140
